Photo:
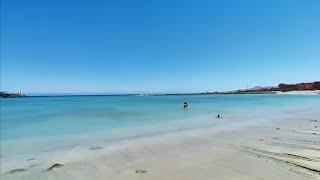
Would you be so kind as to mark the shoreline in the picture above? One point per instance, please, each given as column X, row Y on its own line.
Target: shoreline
column 315, row 92
column 277, row 150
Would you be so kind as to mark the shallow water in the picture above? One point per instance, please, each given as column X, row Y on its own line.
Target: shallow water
column 42, row 124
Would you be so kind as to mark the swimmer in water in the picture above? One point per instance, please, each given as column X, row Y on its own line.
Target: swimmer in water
column 218, row 117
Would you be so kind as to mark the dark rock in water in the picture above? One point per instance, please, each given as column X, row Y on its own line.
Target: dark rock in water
column 277, row 128
column 141, row 171
column 261, row 139
column 11, row 95
column 30, row 159
column 316, row 126
column 54, row 166
column 13, row 171
column 96, row 148
column 314, row 121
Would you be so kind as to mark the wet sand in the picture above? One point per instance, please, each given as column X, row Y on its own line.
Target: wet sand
column 288, row 149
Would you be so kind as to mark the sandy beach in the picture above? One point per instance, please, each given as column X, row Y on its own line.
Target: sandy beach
column 307, row 92
column 261, row 150
column 160, row 90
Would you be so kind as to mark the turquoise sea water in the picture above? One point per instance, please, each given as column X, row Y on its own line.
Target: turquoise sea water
column 50, row 123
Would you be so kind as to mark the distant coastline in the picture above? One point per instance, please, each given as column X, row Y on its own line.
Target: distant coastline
column 282, row 88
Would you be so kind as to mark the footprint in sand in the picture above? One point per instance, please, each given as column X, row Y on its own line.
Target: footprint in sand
column 141, row 171
column 14, row 171
column 54, row 166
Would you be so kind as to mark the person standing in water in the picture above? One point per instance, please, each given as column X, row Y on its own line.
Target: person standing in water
column 185, row 105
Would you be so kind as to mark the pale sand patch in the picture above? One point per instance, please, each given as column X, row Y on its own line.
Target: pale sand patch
column 311, row 92
column 238, row 151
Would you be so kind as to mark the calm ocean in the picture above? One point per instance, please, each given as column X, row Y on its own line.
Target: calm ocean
column 39, row 124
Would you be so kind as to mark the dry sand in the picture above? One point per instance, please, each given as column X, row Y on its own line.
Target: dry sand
column 288, row 149
column 310, row 92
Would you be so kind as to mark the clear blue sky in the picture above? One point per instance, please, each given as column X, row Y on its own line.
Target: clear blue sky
column 125, row 46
